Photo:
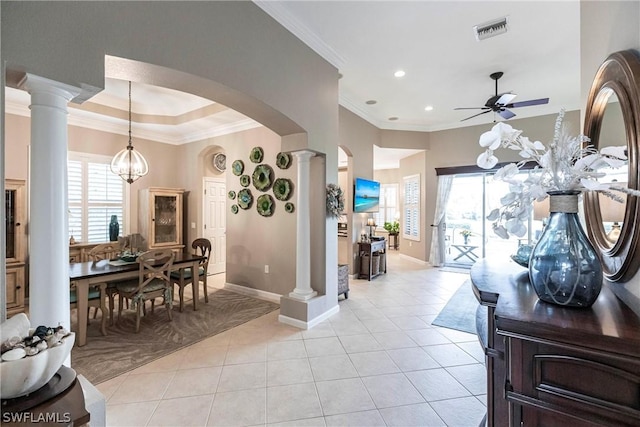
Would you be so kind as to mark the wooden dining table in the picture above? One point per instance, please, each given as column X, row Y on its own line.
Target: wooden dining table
column 86, row 274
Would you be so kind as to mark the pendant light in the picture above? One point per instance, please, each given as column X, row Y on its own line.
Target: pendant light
column 129, row 163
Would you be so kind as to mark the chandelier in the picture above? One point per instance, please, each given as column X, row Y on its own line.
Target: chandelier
column 129, row 163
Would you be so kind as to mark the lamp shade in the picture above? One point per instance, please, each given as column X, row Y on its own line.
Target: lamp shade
column 129, row 164
column 371, row 222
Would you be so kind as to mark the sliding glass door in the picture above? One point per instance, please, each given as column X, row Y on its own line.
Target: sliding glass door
column 469, row 236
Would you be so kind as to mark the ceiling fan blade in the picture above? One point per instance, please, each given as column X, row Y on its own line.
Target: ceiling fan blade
column 505, row 114
column 472, row 108
column 528, row 103
column 475, row 115
column 506, row 98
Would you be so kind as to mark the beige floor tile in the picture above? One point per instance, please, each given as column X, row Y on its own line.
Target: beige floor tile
column 193, row 382
column 169, row 363
column 184, row 411
column 472, row 377
column 323, row 346
column 290, row 371
column 322, row 330
column 342, row 396
column 239, row 408
column 428, row 337
column 204, row 357
column 373, row 363
column 449, row 355
column 407, row 323
column 130, row 414
column 336, row 367
column 251, row 353
column 457, row 336
column 437, row 384
column 465, row 411
column 392, row 340
column 142, row 387
column 412, row 359
column 474, row 349
column 292, row 402
column 307, row 422
column 108, row 387
column 411, row 415
column 380, row 325
column 242, row 377
column 356, row 419
column 281, row 350
column 360, row 343
column 391, row 390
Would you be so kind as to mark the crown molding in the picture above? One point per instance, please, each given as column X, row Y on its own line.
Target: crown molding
column 301, row 31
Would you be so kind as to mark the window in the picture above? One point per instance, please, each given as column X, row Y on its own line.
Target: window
column 95, row 193
column 388, row 204
column 411, row 210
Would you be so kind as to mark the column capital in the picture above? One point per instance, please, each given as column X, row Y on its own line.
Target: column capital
column 303, row 155
column 36, row 84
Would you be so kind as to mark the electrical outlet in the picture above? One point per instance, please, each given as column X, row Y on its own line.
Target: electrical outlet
column 266, row 268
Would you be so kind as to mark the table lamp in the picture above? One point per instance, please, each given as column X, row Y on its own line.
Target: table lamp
column 371, row 223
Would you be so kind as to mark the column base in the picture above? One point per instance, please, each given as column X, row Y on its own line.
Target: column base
column 302, row 295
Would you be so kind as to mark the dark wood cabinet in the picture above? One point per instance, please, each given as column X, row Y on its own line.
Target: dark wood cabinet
column 373, row 260
column 553, row 366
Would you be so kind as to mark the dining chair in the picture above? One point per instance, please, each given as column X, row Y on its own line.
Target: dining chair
column 153, row 282
column 97, row 298
column 183, row 277
column 106, row 251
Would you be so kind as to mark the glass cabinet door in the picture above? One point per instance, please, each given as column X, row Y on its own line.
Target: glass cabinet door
column 165, row 222
column 13, row 209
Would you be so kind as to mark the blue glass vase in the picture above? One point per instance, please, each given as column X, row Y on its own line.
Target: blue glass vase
column 564, row 268
column 114, row 229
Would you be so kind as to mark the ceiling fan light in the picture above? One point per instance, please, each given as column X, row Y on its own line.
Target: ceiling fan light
column 491, row 28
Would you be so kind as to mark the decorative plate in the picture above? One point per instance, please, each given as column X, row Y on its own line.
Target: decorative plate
column 245, row 199
column 256, row 154
column 231, row 194
column 283, row 160
column 245, row 180
column 237, row 167
column 282, row 188
column 220, row 162
column 265, row 205
column 234, row 209
column 289, row 207
column 263, row 177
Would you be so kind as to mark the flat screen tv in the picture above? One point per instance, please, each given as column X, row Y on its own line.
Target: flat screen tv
column 366, row 196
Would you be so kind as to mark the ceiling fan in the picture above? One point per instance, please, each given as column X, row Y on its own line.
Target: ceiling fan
column 500, row 102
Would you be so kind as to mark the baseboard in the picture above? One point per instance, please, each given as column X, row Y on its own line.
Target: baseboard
column 310, row 324
column 416, row 260
column 255, row 293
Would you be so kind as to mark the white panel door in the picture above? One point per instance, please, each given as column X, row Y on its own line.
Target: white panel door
column 215, row 210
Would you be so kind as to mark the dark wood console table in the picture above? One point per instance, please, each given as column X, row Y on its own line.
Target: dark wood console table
column 554, row 366
column 368, row 249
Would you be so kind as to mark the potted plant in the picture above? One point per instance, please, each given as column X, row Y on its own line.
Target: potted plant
column 392, row 228
column 465, row 235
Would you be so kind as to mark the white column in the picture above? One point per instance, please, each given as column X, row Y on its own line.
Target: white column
column 48, row 226
column 303, row 289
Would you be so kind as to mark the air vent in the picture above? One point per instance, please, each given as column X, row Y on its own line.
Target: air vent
column 491, row 28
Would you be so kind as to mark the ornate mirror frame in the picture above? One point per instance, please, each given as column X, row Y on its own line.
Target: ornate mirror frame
column 619, row 74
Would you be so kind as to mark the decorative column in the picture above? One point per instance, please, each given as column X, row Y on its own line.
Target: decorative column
column 303, row 291
column 48, row 225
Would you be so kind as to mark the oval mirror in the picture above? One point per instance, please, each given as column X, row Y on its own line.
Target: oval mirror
column 612, row 118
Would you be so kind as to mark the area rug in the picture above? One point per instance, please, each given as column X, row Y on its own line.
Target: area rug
column 105, row 357
column 460, row 311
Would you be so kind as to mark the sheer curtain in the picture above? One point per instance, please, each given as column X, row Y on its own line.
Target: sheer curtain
column 437, row 257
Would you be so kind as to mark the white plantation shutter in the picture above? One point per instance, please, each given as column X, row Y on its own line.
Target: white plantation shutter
column 411, row 214
column 95, row 193
column 388, row 204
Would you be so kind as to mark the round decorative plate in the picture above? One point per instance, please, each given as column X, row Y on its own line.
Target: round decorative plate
column 220, row 162
column 256, row 154
column 262, row 177
column 283, row 160
column 282, row 188
column 245, row 199
column 265, row 205
column 245, row 180
column 237, row 167
column 289, row 207
column 231, row 194
column 234, row 209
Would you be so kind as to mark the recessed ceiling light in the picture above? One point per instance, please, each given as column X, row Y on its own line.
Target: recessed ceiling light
column 393, row 118
column 428, row 108
column 371, row 102
column 399, row 73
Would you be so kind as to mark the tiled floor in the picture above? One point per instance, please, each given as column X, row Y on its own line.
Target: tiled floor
column 377, row 362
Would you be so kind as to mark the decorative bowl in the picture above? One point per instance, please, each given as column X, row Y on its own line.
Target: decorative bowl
column 234, row 209
column 245, row 198
column 289, row 207
column 232, row 194
column 237, row 167
column 129, row 257
column 264, row 205
column 282, row 189
column 262, row 177
column 26, row 375
column 283, row 160
column 245, row 180
column 257, row 154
